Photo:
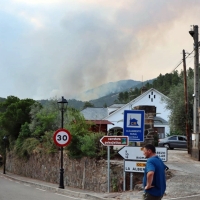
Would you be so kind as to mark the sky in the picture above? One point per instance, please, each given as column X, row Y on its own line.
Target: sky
column 54, row 48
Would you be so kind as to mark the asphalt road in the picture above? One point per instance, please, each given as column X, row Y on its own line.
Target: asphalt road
column 13, row 190
column 185, row 184
column 194, row 197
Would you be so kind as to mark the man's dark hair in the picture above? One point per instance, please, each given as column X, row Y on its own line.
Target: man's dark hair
column 151, row 147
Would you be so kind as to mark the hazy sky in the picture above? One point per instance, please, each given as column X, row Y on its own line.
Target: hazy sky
column 53, row 48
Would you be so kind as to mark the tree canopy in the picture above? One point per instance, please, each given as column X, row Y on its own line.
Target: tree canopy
column 30, row 128
column 176, row 104
column 88, row 104
column 15, row 113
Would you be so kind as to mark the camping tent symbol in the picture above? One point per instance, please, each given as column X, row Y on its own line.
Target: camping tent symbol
column 133, row 122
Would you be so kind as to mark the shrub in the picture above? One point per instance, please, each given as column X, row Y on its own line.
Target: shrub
column 25, row 148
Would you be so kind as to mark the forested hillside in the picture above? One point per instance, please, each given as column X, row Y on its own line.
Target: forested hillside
column 163, row 83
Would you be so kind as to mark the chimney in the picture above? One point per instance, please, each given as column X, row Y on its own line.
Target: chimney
column 143, row 90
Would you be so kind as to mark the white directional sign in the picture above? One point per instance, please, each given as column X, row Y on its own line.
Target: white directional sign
column 136, row 153
column 134, row 166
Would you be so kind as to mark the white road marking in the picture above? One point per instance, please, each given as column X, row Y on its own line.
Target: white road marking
column 17, row 182
column 27, row 185
column 195, row 195
column 68, row 196
column 40, row 189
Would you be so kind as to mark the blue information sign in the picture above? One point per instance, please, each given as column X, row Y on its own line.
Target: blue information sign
column 134, row 125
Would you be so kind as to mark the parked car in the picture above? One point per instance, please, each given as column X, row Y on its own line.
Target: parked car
column 174, row 141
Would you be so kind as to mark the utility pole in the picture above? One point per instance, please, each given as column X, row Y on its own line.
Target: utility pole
column 195, row 136
column 186, row 105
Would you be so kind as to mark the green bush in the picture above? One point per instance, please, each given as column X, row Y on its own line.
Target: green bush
column 174, row 133
column 48, row 143
column 87, row 144
column 25, row 148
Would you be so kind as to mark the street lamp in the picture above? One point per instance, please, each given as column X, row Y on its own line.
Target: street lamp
column 5, row 139
column 62, row 105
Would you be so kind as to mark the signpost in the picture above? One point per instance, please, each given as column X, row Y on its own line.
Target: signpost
column 136, row 153
column 112, row 141
column 62, row 137
column 134, row 125
column 134, row 160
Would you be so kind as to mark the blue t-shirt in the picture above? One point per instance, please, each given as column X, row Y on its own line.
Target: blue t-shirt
column 159, row 181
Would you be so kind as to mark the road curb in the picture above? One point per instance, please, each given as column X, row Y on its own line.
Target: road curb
column 58, row 190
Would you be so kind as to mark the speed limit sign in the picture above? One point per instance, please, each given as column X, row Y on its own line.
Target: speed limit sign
column 62, row 137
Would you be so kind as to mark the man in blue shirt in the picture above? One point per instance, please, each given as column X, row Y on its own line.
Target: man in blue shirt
column 154, row 181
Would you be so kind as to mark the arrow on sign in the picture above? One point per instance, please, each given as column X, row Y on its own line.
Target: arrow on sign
column 131, row 153
column 114, row 140
column 136, row 153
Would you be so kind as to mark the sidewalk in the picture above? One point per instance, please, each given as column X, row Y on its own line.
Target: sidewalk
column 73, row 192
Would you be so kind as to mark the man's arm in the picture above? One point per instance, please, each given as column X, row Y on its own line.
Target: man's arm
column 149, row 180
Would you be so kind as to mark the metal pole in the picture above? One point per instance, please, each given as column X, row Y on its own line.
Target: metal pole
column 196, row 63
column 186, row 105
column 62, row 117
column 61, row 157
column 195, row 136
column 108, row 160
column 196, row 87
column 124, row 178
column 4, row 159
column 131, row 181
column 196, row 76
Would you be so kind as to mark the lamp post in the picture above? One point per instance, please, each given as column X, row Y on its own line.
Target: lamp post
column 62, row 105
column 5, row 139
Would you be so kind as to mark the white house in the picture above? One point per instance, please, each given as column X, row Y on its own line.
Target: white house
column 152, row 97
column 115, row 112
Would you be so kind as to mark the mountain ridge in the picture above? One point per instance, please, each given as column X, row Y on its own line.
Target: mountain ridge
column 107, row 89
column 107, row 97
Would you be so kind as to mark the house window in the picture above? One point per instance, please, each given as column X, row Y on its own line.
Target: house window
column 160, row 131
column 154, row 96
column 152, row 93
column 151, row 99
column 149, row 96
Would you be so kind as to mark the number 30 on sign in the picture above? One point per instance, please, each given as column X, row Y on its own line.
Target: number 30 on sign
column 62, row 137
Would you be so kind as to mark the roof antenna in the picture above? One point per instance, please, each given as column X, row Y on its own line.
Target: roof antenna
column 143, row 89
column 142, row 80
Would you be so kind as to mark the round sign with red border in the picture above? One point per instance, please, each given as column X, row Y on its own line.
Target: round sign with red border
column 62, row 137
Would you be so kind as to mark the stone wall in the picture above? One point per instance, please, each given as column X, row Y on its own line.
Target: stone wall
column 85, row 173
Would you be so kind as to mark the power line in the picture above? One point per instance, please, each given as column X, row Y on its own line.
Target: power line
column 182, row 61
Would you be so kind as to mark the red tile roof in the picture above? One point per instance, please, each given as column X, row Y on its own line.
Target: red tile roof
column 99, row 121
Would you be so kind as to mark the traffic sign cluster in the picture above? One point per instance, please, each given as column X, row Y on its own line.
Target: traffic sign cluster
column 135, row 160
